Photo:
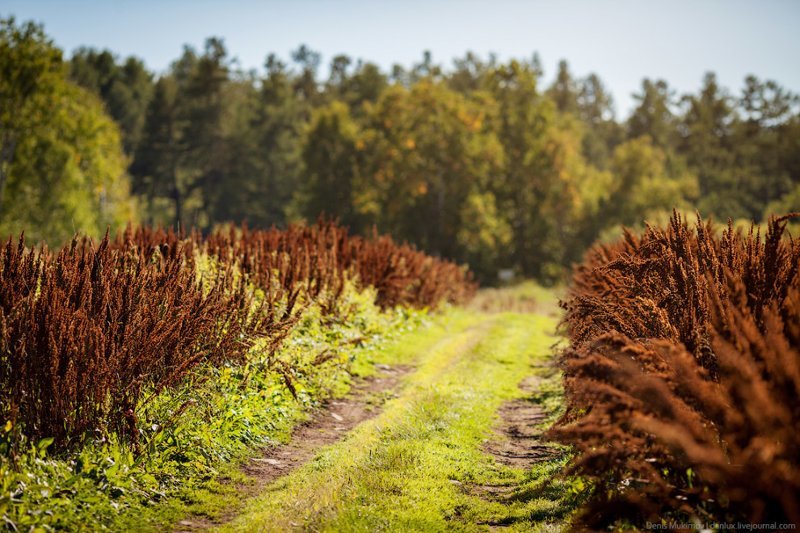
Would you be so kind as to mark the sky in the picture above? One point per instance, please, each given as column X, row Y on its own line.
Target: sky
column 623, row 41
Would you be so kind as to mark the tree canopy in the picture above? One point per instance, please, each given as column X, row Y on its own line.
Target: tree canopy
column 62, row 168
column 480, row 162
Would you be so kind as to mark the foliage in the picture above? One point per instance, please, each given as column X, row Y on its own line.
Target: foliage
column 124, row 86
column 645, row 180
column 428, row 149
column 130, row 368
column 333, row 165
column 61, row 165
column 505, row 172
column 315, row 261
column 682, row 376
column 88, row 330
column 402, row 275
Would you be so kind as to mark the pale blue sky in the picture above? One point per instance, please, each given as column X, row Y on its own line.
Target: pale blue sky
column 622, row 40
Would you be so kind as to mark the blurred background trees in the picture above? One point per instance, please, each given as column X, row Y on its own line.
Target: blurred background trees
column 62, row 165
column 478, row 162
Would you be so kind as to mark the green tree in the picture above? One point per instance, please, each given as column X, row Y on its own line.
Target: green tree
column 788, row 203
column 545, row 188
column 426, row 69
column 155, row 168
column 565, row 90
column 429, row 148
column 278, row 123
column 62, row 167
column 647, row 183
column 364, row 84
column 484, row 235
column 596, row 109
column 124, row 87
column 653, row 115
column 707, row 127
column 521, row 124
column 333, row 166
column 202, row 110
column 470, row 73
column 305, row 83
column 31, row 68
column 764, row 139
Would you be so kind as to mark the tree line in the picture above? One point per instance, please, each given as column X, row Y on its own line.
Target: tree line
column 480, row 162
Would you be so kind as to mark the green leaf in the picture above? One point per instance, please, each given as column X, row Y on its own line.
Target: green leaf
column 43, row 445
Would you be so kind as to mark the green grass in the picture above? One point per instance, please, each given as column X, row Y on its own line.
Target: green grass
column 411, row 468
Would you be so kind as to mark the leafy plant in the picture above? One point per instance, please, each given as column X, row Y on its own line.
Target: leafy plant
column 89, row 333
column 682, row 375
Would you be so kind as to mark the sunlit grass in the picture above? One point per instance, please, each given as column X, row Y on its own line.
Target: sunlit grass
column 412, row 467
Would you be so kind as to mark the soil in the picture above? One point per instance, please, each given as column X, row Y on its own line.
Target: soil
column 327, row 425
column 517, row 441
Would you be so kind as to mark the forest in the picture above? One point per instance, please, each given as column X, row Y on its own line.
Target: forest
column 510, row 173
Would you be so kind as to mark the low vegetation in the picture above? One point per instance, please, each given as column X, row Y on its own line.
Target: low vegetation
column 682, row 377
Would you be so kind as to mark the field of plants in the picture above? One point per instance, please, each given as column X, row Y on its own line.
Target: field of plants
column 138, row 371
column 308, row 379
column 132, row 362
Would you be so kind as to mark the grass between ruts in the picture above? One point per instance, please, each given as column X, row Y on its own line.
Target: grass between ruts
column 411, row 467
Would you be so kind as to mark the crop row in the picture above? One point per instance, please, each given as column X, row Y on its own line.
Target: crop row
column 92, row 331
column 683, row 376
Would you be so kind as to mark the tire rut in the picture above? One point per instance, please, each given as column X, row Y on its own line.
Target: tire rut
column 327, row 425
column 517, row 441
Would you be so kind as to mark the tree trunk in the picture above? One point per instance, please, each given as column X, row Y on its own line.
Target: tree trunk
column 6, row 155
column 177, row 197
column 178, row 201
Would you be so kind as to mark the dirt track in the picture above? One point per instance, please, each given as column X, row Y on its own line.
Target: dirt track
column 327, row 425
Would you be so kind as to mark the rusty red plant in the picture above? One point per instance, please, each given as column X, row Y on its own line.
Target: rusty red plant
column 683, row 376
